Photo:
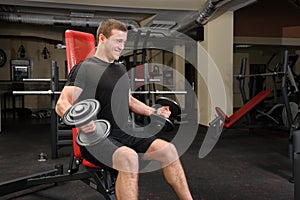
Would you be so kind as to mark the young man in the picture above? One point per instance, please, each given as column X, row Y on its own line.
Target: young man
column 100, row 78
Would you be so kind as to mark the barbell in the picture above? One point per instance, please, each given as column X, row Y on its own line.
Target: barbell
column 85, row 111
column 256, row 75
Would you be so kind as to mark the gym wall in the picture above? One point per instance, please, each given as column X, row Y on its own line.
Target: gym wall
column 34, row 40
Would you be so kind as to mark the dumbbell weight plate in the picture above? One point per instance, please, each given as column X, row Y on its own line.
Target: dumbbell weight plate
column 82, row 112
column 102, row 131
column 159, row 122
column 173, row 105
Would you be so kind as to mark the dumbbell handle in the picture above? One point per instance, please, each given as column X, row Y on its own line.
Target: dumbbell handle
column 102, row 130
column 161, row 123
column 157, row 107
column 89, row 127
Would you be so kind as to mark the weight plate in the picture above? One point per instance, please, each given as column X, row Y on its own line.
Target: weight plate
column 161, row 123
column 102, row 131
column 3, row 58
column 173, row 105
column 82, row 112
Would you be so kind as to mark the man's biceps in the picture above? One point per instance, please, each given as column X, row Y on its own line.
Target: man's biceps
column 71, row 93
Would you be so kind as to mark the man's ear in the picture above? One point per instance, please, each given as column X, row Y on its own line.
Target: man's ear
column 101, row 38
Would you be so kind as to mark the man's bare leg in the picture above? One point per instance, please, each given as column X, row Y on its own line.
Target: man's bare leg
column 125, row 160
column 175, row 176
column 166, row 153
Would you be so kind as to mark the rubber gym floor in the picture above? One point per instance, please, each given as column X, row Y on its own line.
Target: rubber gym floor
column 242, row 166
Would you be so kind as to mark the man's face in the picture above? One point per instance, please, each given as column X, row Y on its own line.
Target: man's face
column 115, row 44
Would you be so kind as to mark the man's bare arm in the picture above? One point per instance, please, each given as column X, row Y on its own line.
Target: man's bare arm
column 140, row 108
column 67, row 98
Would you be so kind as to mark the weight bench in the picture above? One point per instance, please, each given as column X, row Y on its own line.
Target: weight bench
column 79, row 46
column 222, row 120
column 230, row 120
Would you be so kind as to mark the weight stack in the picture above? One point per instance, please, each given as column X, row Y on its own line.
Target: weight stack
column 296, row 167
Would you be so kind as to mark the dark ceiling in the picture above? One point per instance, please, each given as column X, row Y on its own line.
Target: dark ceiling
column 266, row 18
column 252, row 18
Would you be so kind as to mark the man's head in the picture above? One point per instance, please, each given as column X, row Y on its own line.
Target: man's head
column 111, row 38
column 107, row 25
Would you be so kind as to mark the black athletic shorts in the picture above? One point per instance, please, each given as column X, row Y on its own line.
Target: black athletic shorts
column 101, row 153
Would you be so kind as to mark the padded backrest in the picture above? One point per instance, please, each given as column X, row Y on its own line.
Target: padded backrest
column 79, row 46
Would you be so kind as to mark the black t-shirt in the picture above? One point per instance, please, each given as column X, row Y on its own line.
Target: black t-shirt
column 106, row 82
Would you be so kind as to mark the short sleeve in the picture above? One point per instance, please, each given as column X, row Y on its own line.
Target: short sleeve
column 76, row 76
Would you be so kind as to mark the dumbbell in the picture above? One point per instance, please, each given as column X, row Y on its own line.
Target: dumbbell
column 159, row 123
column 85, row 111
column 174, row 107
column 82, row 113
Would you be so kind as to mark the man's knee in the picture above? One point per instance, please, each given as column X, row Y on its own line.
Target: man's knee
column 170, row 153
column 163, row 151
column 126, row 160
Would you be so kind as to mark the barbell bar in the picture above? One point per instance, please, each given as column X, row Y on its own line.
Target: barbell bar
column 158, row 92
column 47, row 92
column 254, row 75
column 150, row 80
column 41, row 80
column 50, row 92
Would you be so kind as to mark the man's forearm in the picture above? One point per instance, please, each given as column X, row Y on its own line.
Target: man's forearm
column 139, row 107
column 66, row 99
column 62, row 107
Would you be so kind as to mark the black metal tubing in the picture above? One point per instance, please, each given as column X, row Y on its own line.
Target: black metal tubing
column 242, row 80
column 58, row 178
column 22, row 183
column 296, row 175
column 56, row 132
column 101, row 180
column 242, row 87
column 104, row 182
column 285, row 92
column 53, row 81
column 296, row 164
column 132, row 71
column 146, row 69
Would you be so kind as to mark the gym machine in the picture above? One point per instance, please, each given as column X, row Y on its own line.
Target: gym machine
column 271, row 113
column 222, row 120
column 141, row 77
column 61, row 135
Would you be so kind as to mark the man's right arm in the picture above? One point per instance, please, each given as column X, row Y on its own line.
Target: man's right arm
column 67, row 98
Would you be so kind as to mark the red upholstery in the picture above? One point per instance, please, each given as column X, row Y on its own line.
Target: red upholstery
column 229, row 121
column 139, row 70
column 79, row 46
column 139, row 74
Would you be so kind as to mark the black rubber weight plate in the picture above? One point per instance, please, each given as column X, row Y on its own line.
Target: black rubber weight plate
column 174, row 106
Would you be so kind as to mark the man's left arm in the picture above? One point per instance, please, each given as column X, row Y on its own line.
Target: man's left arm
column 140, row 108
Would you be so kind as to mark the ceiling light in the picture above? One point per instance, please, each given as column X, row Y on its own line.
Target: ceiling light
column 243, row 45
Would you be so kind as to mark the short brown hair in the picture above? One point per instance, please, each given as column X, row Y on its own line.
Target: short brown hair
column 107, row 25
